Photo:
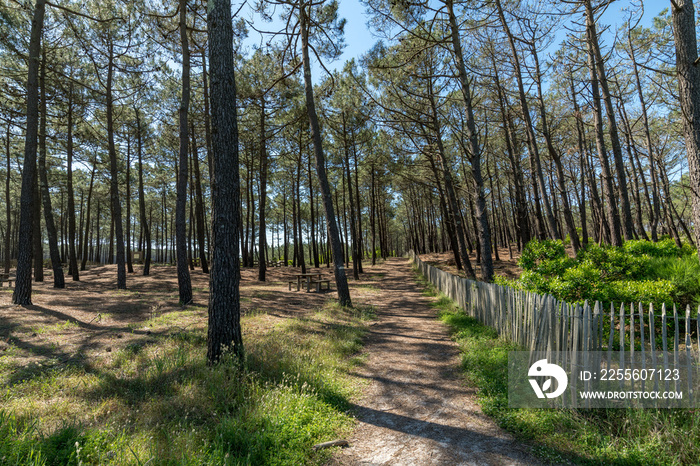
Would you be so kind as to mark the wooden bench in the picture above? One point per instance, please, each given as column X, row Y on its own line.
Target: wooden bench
column 318, row 284
column 5, row 277
column 301, row 284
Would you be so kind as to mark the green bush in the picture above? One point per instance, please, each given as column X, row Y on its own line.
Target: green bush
column 664, row 248
column 683, row 273
column 537, row 251
column 578, row 284
column 533, row 281
column 644, row 291
column 639, row 271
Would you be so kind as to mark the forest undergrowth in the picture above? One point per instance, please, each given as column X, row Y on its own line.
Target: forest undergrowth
column 639, row 271
column 161, row 403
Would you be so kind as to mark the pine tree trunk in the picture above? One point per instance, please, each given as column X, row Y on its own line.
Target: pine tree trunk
column 353, row 229
column 262, row 230
column 484, row 230
column 23, row 287
column 145, row 224
column 114, row 175
column 199, row 206
column 129, row 263
column 73, row 258
column 684, row 35
column 8, row 202
column 184, row 283
column 339, row 269
column 627, row 222
column 52, row 234
column 611, row 208
column 529, row 128
column 224, row 331
column 86, row 243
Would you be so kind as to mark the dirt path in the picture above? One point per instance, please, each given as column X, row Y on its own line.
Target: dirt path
column 417, row 409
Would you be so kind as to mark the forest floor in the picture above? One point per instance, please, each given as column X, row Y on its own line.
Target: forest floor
column 91, row 317
column 412, row 404
column 418, row 408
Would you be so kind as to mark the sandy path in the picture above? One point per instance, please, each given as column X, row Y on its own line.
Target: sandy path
column 417, row 409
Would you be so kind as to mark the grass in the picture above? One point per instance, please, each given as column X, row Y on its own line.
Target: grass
column 55, row 328
column 589, row 437
column 160, row 403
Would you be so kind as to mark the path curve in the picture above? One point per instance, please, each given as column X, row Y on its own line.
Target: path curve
column 417, row 409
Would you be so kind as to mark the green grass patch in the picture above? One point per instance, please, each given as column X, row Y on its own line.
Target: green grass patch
column 589, row 437
column 160, row 403
column 55, row 328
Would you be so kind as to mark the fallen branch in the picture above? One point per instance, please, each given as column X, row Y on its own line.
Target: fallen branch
column 332, row 443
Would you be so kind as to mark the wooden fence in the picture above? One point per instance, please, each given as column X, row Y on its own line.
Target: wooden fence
column 544, row 325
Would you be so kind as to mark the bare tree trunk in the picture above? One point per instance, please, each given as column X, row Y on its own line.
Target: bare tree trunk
column 145, row 224
column 8, row 203
column 224, row 296
column 683, row 14
column 475, row 151
column 611, row 207
column 23, row 286
column 184, row 284
column 262, row 233
column 114, row 175
column 52, row 234
column 339, row 268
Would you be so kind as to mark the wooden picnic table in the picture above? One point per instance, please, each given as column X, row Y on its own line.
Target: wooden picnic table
column 308, row 277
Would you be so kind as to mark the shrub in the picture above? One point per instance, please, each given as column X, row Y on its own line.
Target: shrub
column 615, row 263
column 664, row 248
column 579, row 283
column 683, row 273
column 533, row 281
column 536, row 252
column 644, row 291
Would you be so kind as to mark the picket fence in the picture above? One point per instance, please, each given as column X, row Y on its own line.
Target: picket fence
column 544, row 325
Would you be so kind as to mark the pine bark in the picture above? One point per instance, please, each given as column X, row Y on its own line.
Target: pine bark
column 23, row 286
column 51, row 232
column 484, row 230
column 262, row 230
column 72, row 256
column 339, row 268
column 184, row 284
column 612, row 212
column 224, row 332
column 114, row 176
column 145, row 224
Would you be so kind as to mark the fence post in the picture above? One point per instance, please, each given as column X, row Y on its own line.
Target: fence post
column 676, row 359
column 664, row 341
column 652, row 343
column 641, row 340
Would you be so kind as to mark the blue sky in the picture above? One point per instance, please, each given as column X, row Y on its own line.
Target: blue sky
column 359, row 38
